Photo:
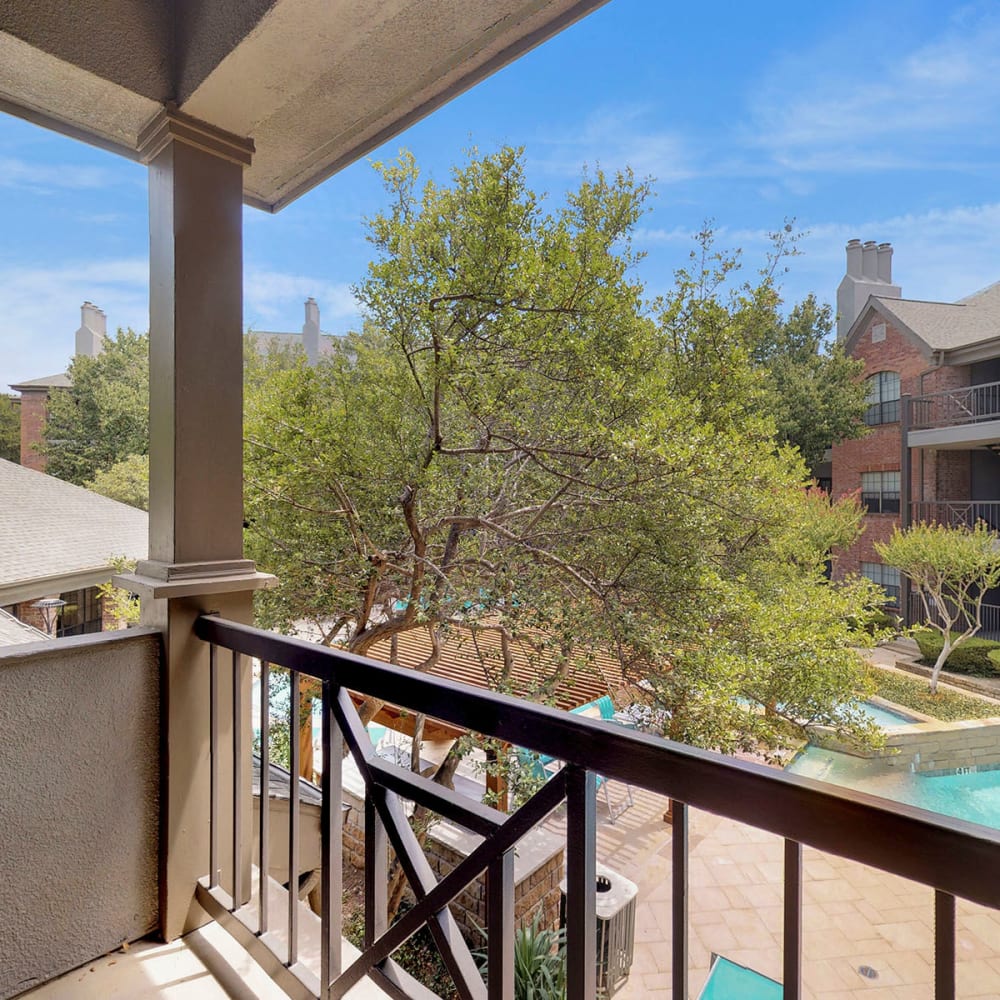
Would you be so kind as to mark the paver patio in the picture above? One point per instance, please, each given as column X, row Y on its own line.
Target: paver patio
column 852, row 915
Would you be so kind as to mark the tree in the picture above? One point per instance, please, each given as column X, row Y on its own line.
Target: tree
column 514, row 439
column 818, row 396
column 126, row 481
column 951, row 568
column 10, row 429
column 104, row 417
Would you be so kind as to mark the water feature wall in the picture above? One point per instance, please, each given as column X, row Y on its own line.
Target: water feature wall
column 930, row 747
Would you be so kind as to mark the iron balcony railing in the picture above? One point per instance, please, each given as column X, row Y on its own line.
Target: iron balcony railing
column 965, row 405
column 957, row 513
column 949, row 855
column 990, row 617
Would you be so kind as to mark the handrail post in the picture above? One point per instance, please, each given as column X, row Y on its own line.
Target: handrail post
column 581, row 884
column 679, row 899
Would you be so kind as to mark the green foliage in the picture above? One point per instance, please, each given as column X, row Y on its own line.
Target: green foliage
column 515, row 439
column 10, row 429
column 126, row 481
column 973, row 656
column 539, row 962
column 951, row 568
column 817, row 397
column 118, row 605
column 910, row 692
column 104, row 417
column 418, row 955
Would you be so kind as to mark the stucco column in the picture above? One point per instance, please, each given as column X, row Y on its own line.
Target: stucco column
column 196, row 559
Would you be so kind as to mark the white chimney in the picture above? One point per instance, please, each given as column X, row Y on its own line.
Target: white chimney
column 310, row 331
column 93, row 331
column 885, row 263
column 869, row 272
column 869, row 260
column 854, row 258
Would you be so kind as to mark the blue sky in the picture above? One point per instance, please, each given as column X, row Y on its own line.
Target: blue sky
column 876, row 121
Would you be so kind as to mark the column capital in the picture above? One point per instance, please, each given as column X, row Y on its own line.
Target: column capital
column 171, row 125
column 153, row 579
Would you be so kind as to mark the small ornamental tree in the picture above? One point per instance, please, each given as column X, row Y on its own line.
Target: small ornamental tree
column 951, row 568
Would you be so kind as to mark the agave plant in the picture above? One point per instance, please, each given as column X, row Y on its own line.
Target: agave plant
column 539, row 962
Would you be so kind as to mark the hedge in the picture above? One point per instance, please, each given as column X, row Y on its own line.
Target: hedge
column 972, row 657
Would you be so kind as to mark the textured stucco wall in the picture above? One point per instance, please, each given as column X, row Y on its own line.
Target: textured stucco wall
column 79, row 796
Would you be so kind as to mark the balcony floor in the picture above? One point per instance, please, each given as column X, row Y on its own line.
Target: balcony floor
column 204, row 965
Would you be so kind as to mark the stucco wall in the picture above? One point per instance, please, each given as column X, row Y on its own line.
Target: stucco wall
column 79, row 794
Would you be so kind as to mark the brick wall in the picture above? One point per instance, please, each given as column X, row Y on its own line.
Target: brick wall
column 538, row 870
column 936, row 474
column 33, row 411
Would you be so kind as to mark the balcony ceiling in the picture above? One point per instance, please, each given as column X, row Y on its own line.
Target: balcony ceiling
column 315, row 83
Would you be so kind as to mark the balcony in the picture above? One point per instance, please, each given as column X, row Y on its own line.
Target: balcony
column 751, row 853
column 965, row 417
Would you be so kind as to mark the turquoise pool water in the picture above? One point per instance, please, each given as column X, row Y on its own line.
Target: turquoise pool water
column 974, row 797
column 885, row 717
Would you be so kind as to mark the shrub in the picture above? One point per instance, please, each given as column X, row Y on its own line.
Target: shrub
column 972, row 657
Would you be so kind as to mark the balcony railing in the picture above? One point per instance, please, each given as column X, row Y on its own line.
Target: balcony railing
column 951, row 856
column 957, row 513
column 965, row 405
column 990, row 618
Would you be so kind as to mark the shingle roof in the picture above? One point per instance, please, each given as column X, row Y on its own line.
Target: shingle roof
column 50, row 529
column 58, row 381
column 946, row 326
column 14, row 632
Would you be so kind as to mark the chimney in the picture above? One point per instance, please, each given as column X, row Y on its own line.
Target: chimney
column 310, row 331
column 869, row 272
column 869, row 260
column 854, row 258
column 885, row 263
column 93, row 331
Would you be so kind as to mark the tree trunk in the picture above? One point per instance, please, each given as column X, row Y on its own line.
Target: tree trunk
column 936, row 670
column 421, row 822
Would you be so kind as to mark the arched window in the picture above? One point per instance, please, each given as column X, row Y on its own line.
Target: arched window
column 883, row 398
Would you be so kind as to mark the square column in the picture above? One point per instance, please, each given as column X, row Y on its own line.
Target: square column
column 196, row 562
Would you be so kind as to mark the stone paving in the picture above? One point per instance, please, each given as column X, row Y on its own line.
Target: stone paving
column 853, row 916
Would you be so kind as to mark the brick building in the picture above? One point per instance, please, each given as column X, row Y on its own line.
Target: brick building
column 933, row 375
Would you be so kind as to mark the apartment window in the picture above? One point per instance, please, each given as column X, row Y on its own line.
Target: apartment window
column 882, row 399
column 887, row 577
column 82, row 613
column 880, row 492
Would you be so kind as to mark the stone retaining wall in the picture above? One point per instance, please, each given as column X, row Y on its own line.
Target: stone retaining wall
column 929, row 747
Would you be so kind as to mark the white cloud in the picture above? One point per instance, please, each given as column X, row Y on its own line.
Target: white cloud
column 41, row 310
column 276, row 296
column 842, row 107
column 38, row 177
column 614, row 137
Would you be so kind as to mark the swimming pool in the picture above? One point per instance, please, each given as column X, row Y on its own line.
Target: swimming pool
column 885, row 717
column 974, row 796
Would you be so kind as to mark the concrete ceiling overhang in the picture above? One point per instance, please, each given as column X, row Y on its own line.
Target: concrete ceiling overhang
column 315, row 84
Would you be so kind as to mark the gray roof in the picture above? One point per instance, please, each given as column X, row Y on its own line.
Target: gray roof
column 55, row 536
column 60, row 381
column 275, row 340
column 948, row 326
column 14, row 632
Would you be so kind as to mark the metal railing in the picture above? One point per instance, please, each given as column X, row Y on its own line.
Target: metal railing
column 964, row 405
column 949, row 855
column 990, row 617
column 957, row 513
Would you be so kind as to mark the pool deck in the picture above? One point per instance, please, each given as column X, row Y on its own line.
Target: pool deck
column 852, row 915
